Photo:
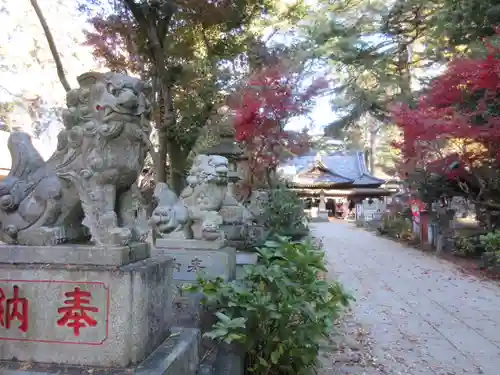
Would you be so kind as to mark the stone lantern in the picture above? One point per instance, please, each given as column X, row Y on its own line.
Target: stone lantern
column 237, row 219
column 230, row 149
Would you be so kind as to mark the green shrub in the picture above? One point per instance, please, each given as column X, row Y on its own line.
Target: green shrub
column 397, row 227
column 281, row 312
column 468, row 246
column 491, row 243
column 463, row 246
column 284, row 213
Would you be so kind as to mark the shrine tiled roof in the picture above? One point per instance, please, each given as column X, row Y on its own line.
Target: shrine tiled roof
column 351, row 164
column 316, row 174
column 334, row 168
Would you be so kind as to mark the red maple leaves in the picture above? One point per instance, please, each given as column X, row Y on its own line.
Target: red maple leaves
column 262, row 107
column 459, row 116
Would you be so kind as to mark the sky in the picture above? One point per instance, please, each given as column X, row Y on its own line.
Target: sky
column 320, row 116
column 321, row 113
column 26, row 64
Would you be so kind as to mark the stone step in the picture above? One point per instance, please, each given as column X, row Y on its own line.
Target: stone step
column 228, row 361
column 178, row 355
column 206, row 370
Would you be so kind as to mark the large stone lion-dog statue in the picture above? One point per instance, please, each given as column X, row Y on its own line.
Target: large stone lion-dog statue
column 88, row 188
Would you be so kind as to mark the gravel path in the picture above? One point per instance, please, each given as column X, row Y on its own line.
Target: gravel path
column 414, row 313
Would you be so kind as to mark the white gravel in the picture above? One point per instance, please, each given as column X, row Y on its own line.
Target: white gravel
column 414, row 313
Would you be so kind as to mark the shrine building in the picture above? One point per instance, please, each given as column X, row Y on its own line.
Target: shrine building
column 337, row 177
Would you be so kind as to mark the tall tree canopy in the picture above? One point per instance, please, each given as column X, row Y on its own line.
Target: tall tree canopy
column 193, row 51
column 381, row 53
column 453, row 134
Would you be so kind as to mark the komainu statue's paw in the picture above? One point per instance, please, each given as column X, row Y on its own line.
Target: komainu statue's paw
column 120, row 236
column 114, row 237
column 212, row 235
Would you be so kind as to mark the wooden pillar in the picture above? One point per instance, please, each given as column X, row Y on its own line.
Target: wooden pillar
column 424, row 224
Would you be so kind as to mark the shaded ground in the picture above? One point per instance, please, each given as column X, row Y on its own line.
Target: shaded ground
column 471, row 267
column 415, row 314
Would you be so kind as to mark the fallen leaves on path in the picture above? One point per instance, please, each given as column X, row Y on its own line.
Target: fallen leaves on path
column 352, row 351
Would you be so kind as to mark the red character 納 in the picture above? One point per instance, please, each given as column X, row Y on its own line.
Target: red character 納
column 15, row 308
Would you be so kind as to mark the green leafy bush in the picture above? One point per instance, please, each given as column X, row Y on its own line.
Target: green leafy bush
column 284, row 213
column 464, row 246
column 468, row 246
column 396, row 226
column 281, row 312
column 491, row 243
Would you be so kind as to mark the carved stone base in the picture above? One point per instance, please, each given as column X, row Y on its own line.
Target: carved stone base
column 244, row 258
column 177, row 355
column 193, row 257
column 85, row 314
column 75, row 254
column 187, row 244
column 52, row 236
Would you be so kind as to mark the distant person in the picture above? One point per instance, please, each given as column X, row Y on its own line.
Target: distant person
column 340, row 210
column 352, row 206
column 330, row 207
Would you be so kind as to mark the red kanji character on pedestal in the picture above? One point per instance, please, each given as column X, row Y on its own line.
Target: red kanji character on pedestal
column 17, row 308
column 2, row 310
column 75, row 315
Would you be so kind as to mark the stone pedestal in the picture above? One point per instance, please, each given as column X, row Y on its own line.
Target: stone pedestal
column 322, row 203
column 192, row 258
column 314, row 212
column 74, row 254
column 323, row 214
column 85, row 306
column 244, row 258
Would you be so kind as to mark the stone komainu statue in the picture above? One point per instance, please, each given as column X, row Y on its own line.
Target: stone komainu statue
column 195, row 213
column 88, row 188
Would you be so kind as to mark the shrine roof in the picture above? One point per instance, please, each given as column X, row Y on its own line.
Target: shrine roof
column 337, row 167
column 349, row 192
column 318, row 174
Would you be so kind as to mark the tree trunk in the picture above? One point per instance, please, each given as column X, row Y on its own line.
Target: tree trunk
column 368, row 157
column 177, row 159
column 52, row 45
column 161, row 162
column 156, row 32
column 166, row 119
column 372, row 147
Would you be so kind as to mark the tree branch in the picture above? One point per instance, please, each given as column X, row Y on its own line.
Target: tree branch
column 52, row 45
column 137, row 12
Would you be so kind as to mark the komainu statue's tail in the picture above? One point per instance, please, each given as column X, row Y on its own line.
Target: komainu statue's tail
column 25, row 157
column 25, row 162
column 29, row 193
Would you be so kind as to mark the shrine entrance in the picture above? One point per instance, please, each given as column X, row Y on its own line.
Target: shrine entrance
column 330, row 207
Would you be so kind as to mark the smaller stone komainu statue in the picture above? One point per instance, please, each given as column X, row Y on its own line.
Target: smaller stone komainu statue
column 88, row 188
column 195, row 214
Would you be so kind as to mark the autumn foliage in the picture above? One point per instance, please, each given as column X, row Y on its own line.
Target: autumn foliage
column 458, row 118
column 262, row 107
